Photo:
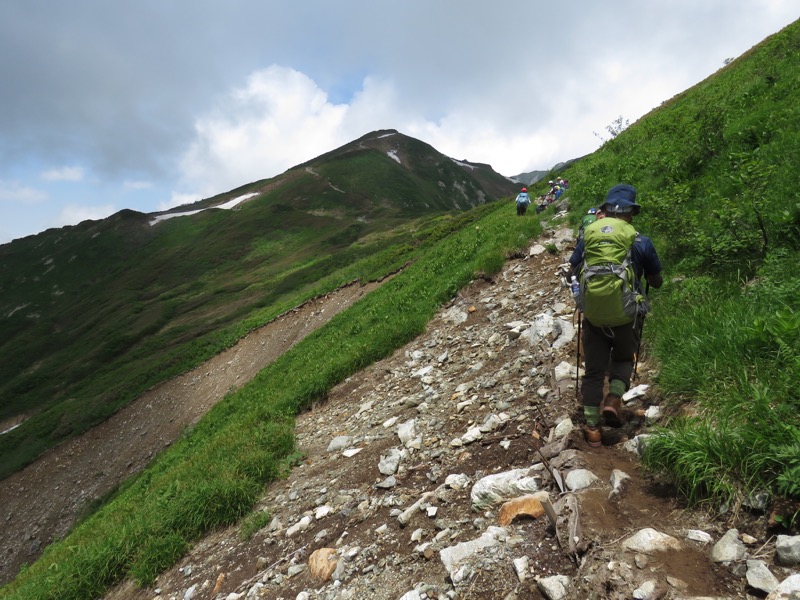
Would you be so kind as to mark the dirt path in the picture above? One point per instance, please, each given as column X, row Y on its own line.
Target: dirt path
column 40, row 503
column 464, row 371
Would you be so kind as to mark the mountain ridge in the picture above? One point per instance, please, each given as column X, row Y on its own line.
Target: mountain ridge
column 101, row 299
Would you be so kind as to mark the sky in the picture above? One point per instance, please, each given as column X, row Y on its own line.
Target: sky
column 111, row 104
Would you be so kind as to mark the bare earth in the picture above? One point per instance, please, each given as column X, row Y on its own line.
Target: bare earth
column 40, row 503
column 472, row 369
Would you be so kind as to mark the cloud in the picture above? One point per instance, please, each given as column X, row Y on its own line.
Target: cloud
column 17, row 193
column 63, row 174
column 278, row 119
column 178, row 199
column 72, row 214
column 137, row 185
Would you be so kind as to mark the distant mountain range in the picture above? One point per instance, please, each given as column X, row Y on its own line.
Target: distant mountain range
column 97, row 312
column 532, row 177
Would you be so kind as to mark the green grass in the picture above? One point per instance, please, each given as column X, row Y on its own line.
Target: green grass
column 97, row 313
column 246, row 439
column 717, row 169
column 717, row 172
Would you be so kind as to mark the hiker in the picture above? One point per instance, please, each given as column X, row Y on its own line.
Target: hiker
column 612, row 348
column 523, row 201
column 589, row 218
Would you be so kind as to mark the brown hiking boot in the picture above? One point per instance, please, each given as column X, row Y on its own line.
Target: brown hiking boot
column 612, row 411
column 591, row 434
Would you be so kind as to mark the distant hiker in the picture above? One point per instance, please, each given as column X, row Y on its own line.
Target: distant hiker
column 612, row 323
column 542, row 205
column 523, row 201
column 589, row 218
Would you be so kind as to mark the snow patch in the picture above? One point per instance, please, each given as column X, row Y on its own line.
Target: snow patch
column 463, row 164
column 393, row 154
column 226, row 205
column 13, row 427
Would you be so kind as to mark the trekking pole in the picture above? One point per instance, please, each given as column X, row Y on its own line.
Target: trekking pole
column 638, row 349
column 639, row 343
column 578, row 357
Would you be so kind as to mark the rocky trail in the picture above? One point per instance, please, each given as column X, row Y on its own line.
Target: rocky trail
column 456, row 468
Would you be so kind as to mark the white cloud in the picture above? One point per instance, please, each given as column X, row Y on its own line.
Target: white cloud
column 63, row 174
column 72, row 214
column 278, row 119
column 15, row 192
column 137, row 185
column 178, row 199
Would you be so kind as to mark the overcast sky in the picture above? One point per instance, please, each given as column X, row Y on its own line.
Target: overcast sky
column 149, row 104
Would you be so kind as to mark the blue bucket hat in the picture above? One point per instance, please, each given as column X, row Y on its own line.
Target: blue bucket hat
column 622, row 199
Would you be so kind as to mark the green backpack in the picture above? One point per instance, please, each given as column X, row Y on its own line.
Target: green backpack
column 608, row 295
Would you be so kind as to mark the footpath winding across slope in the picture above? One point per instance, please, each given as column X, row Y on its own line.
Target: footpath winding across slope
column 41, row 503
column 410, row 464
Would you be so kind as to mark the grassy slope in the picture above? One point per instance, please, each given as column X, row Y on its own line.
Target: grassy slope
column 246, row 440
column 98, row 313
column 717, row 172
column 717, row 169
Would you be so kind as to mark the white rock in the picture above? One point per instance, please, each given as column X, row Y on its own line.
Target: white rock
column 646, row 591
column 366, row 407
column 457, row 481
column 351, row 452
column 580, row 479
column 407, row 431
column 564, row 428
column 491, row 423
column 301, row 525
column 390, row 462
column 566, row 332
column 697, row 535
column 422, row 372
column 499, row 487
column 521, row 568
column 554, row 587
column 617, row 481
column 787, row 550
column 648, row 541
column 789, row 589
column 636, row 392
column 760, row 577
column 473, row 435
column 637, row 444
column 653, row 413
column 728, row 548
column 340, row 442
column 564, row 370
column 454, row 556
column 322, row 512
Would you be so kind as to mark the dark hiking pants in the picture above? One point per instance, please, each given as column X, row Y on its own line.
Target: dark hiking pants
column 609, row 350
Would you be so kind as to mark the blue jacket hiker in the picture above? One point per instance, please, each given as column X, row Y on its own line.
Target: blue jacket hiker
column 523, row 201
column 612, row 349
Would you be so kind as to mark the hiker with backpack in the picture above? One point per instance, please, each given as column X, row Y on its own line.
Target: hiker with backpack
column 523, row 201
column 589, row 218
column 609, row 261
